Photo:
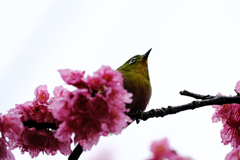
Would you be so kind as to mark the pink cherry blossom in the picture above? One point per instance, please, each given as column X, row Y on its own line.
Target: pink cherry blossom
column 1, row 125
column 35, row 141
column 229, row 115
column 234, row 154
column 73, row 77
column 100, row 107
column 24, row 110
column 50, row 118
column 237, row 88
column 177, row 157
column 5, row 154
column 96, row 82
column 59, row 92
column 89, row 127
column 161, row 151
column 60, row 108
column 111, row 86
column 13, row 126
column 87, row 144
column 31, row 111
column 59, row 104
column 41, row 94
column 95, row 108
column 110, row 76
column 3, row 146
column 39, row 113
column 103, row 154
column 231, row 128
column 222, row 112
column 80, row 101
column 116, row 122
column 36, row 110
column 64, row 132
column 35, row 138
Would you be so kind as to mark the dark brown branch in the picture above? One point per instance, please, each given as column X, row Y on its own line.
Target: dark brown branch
column 31, row 123
column 196, row 96
column 206, row 101
column 76, row 153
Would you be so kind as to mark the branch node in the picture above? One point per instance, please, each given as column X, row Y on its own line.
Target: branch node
column 139, row 116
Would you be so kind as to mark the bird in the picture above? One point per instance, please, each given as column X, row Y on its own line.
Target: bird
column 136, row 81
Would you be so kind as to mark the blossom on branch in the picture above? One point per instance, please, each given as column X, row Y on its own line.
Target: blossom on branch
column 5, row 154
column 229, row 115
column 13, row 126
column 59, row 92
column 36, row 140
column 233, row 155
column 95, row 108
column 237, row 88
column 31, row 139
column 72, row 77
column 162, row 151
column 41, row 94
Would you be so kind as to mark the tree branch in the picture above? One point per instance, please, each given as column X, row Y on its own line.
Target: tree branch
column 31, row 123
column 76, row 153
column 206, row 100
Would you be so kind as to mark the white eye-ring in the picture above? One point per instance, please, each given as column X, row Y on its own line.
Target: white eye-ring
column 132, row 60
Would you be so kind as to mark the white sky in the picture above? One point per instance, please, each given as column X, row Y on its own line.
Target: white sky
column 195, row 47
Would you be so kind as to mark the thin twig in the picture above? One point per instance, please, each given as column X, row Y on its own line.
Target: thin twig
column 194, row 95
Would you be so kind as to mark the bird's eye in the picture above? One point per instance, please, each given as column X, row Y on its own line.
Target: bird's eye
column 132, row 60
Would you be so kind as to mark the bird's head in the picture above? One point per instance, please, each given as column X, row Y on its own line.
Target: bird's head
column 137, row 64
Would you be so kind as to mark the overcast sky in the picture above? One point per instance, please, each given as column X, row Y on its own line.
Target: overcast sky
column 195, row 47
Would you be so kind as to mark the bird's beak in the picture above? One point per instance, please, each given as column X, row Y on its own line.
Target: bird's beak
column 145, row 56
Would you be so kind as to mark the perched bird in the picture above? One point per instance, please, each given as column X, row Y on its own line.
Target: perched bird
column 137, row 81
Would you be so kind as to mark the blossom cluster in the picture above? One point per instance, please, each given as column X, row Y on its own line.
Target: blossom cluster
column 31, row 139
column 95, row 108
column 233, row 155
column 229, row 115
column 162, row 151
column 6, row 154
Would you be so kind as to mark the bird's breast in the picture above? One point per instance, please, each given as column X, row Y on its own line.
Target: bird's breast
column 139, row 85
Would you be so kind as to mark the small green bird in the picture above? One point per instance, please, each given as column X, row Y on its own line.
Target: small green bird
column 137, row 81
